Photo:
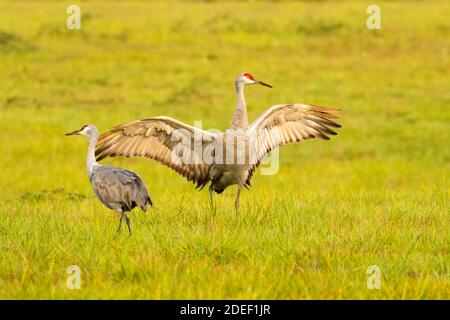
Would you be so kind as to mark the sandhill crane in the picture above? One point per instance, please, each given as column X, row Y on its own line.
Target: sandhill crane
column 159, row 138
column 118, row 189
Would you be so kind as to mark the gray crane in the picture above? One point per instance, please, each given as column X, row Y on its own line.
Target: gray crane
column 160, row 138
column 118, row 189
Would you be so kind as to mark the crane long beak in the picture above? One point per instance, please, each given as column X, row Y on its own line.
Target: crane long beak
column 73, row 133
column 263, row 84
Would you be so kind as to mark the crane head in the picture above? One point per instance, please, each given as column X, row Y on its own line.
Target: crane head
column 87, row 130
column 246, row 78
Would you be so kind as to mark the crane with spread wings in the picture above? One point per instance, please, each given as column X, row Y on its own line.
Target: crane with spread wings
column 226, row 158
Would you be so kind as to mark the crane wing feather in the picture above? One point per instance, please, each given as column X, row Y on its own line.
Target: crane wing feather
column 164, row 139
column 289, row 123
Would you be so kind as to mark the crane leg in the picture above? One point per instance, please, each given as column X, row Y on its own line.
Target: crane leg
column 127, row 220
column 120, row 222
column 236, row 203
column 211, row 191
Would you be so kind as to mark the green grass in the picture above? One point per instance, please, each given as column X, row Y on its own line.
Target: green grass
column 378, row 193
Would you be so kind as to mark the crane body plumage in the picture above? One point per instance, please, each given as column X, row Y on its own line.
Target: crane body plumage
column 159, row 137
column 118, row 189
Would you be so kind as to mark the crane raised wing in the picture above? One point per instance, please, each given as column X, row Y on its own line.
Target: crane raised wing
column 288, row 123
column 164, row 139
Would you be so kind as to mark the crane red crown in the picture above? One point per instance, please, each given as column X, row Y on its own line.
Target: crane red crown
column 249, row 76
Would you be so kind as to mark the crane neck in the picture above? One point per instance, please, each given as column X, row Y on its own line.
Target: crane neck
column 240, row 117
column 91, row 162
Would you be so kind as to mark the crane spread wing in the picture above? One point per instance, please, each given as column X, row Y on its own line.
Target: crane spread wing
column 289, row 123
column 166, row 140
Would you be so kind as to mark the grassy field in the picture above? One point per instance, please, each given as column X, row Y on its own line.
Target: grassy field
column 377, row 194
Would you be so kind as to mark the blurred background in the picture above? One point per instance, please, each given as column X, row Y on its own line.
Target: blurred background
column 141, row 59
